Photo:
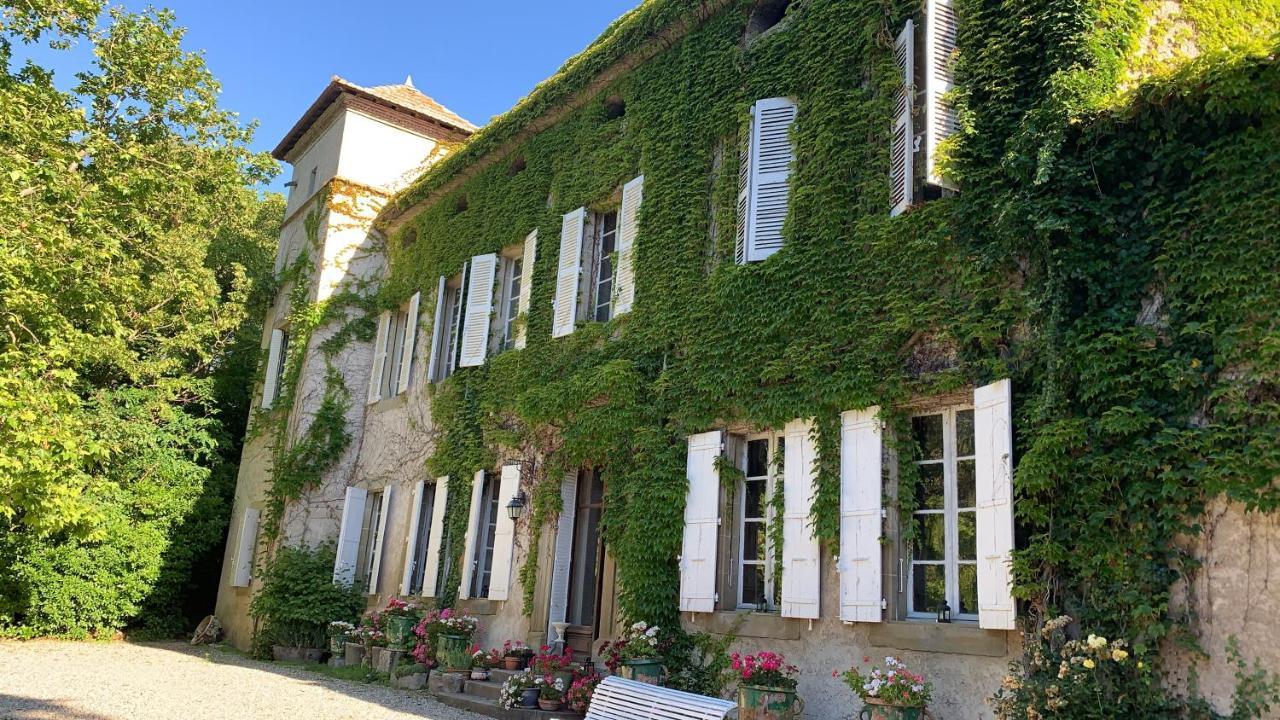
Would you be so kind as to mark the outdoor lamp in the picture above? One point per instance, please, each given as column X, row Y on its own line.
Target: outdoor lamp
column 944, row 612
column 515, row 508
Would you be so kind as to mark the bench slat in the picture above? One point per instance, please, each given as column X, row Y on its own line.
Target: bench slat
column 620, row 699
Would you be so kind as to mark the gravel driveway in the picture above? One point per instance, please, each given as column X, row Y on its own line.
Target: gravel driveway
column 149, row 681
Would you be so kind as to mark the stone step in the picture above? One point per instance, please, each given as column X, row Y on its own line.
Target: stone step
column 487, row 689
column 463, row 701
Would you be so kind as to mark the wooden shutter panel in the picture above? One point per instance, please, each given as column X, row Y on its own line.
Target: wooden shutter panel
column 246, row 548
column 993, row 442
column 559, row 605
column 771, row 157
column 565, row 309
column 504, row 535
column 274, row 352
column 379, row 537
column 744, row 194
column 475, row 331
column 628, row 227
column 861, row 497
column 902, row 137
column 469, row 547
column 701, row 524
column 939, row 65
column 526, row 287
column 439, row 326
column 379, row 356
column 434, row 537
column 344, row 565
column 410, row 342
column 801, row 575
column 411, row 539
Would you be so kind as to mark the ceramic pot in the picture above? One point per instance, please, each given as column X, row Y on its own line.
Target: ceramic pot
column 873, row 709
column 400, row 631
column 768, row 703
column 645, row 670
column 529, row 697
column 565, row 675
column 479, row 674
column 548, row 705
column 446, row 644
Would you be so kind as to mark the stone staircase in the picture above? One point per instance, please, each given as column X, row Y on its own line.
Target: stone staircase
column 481, row 696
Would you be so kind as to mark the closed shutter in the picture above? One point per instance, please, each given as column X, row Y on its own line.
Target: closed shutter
column 801, row 576
column 771, row 157
column 246, row 548
column 475, row 331
column 439, row 326
column 469, row 547
column 526, row 287
column 434, row 537
column 628, row 226
column 410, row 341
column 504, row 535
column 564, row 552
column 861, row 497
column 993, row 445
column 902, row 139
column 701, row 524
column 379, row 536
column 379, row 356
column 939, row 80
column 344, row 565
column 744, row 195
column 411, row 539
column 565, row 309
column 274, row 352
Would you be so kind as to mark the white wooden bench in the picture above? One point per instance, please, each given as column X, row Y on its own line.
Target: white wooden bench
column 619, row 699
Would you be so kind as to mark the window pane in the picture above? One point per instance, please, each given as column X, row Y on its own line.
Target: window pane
column 968, row 590
column 929, row 488
column 928, row 588
column 964, row 432
column 927, row 430
column 757, row 458
column 930, row 542
column 753, row 536
column 966, row 493
column 753, row 502
column 968, row 531
column 752, row 584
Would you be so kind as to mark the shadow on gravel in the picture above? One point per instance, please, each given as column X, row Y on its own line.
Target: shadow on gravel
column 13, row 707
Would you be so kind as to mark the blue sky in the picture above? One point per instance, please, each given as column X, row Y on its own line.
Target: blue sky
column 478, row 58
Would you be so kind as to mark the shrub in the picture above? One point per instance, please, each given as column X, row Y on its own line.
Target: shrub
column 299, row 599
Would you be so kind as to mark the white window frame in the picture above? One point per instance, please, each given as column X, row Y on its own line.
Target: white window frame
column 375, row 505
column 596, row 299
column 951, row 561
column 512, row 275
column 281, row 367
column 450, row 331
column 419, row 545
column 773, row 475
column 397, row 331
column 483, row 548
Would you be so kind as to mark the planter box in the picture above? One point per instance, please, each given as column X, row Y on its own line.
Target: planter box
column 293, row 654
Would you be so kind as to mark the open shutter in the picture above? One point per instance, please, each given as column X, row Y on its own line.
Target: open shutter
column 701, row 524
column 993, row 444
column 274, row 352
column 379, row 536
column 411, row 540
column 410, row 341
column 744, row 195
column 939, row 65
column 861, row 497
column 902, row 139
column 344, row 565
column 559, row 605
column 771, row 156
column 379, row 356
column 504, row 535
column 434, row 537
column 475, row 332
column 526, row 287
column 439, row 326
column 469, row 547
column 628, row 226
column 565, row 308
column 801, row 577
column 246, row 548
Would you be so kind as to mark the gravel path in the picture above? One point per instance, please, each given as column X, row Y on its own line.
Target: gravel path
column 48, row 680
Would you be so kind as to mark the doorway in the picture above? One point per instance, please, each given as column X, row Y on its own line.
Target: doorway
column 582, row 610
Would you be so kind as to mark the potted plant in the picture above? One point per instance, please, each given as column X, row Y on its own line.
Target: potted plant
column 452, row 632
column 766, row 687
column 482, row 661
column 398, row 618
column 520, row 690
column 515, row 655
column 339, row 635
column 550, row 692
column 297, row 601
column 638, row 654
column 557, row 666
column 372, row 636
column 894, row 693
column 578, row 697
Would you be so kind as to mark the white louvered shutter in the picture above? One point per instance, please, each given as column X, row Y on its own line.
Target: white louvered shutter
column 410, row 341
column 744, row 195
column 344, row 565
column 379, row 356
column 435, row 536
column 475, row 331
column 564, row 552
column 379, row 541
column 246, row 548
column 861, row 497
column 411, row 539
column 801, row 575
column 439, row 326
column 902, row 138
column 939, row 66
column 274, row 352
column 771, row 157
column 628, row 228
column 701, row 524
column 504, row 535
column 469, row 547
column 526, row 287
column 565, row 309
column 993, row 444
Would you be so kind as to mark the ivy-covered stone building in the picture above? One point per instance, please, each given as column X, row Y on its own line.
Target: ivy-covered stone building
column 805, row 322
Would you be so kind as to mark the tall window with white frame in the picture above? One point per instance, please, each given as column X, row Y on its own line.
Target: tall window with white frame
column 422, row 540
column 512, row 272
column 944, row 553
column 756, row 583
column 605, row 243
column 486, row 533
column 369, row 546
column 395, row 350
column 282, row 364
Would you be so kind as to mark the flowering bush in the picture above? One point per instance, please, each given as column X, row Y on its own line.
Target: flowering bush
column 401, row 608
column 341, row 630
column 765, row 669
column 895, row 685
column 579, row 694
column 450, row 622
column 509, row 696
column 485, row 659
column 550, row 688
column 641, row 642
column 516, row 648
column 547, row 662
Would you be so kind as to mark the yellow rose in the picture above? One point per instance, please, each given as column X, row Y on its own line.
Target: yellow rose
column 1119, row 655
column 1088, row 663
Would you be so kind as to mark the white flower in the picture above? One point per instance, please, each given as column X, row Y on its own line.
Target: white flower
column 641, row 625
column 917, row 688
column 651, row 632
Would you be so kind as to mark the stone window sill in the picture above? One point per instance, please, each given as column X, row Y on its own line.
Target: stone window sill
column 747, row 623
column 391, row 403
column 929, row 636
column 478, row 606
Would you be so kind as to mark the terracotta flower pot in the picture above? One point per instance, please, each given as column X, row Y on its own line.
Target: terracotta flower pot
column 548, row 705
column 756, row 702
column 511, row 662
column 874, row 709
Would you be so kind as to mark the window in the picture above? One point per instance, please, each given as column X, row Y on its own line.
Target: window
column 311, row 182
column 604, row 242
column 277, row 362
column 421, row 541
column 762, row 471
column 944, row 552
column 447, row 326
column 370, row 541
column 393, row 350
column 509, row 301
column 764, row 176
column 584, row 578
column 486, row 530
